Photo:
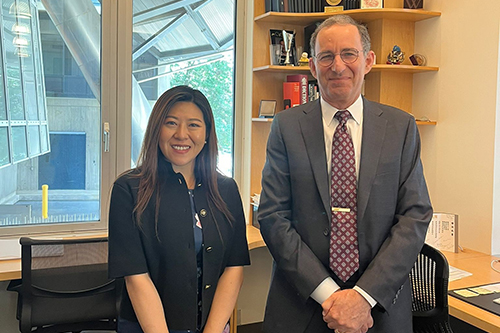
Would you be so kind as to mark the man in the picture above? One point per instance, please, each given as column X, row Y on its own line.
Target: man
column 344, row 207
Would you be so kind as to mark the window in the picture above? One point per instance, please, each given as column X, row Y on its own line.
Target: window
column 53, row 110
column 50, row 114
column 23, row 119
column 186, row 43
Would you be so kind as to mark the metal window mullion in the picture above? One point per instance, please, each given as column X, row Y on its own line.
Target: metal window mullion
column 44, row 110
column 6, row 93
column 21, row 75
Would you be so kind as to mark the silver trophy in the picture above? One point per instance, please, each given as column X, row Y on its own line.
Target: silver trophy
column 287, row 43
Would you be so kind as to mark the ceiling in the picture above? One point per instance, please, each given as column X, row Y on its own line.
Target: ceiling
column 176, row 30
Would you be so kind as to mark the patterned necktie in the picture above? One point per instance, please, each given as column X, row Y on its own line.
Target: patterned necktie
column 344, row 253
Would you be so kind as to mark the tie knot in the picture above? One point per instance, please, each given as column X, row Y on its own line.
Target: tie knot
column 343, row 116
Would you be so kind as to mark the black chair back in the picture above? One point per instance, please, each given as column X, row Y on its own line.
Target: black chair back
column 429, row 282
column 65, row 286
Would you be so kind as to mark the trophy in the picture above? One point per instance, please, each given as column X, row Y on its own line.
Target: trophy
column 288, row 42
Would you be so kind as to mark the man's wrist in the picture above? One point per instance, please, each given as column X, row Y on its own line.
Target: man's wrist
column 324, row 290
column 366, row 296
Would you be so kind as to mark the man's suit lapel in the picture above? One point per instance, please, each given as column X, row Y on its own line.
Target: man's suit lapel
column 374, row 127
column 311, row 125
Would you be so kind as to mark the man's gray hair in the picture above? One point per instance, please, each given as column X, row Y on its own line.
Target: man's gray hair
column 342, row 20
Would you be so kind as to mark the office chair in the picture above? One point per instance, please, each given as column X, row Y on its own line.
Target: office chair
column 429, row 282
column 65, row 286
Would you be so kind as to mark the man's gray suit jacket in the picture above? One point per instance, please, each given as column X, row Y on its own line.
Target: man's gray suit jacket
column 394, row 211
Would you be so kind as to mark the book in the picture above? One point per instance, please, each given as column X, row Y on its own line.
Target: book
column 303, row 80
column 313, row 91
column 291, row 94
column 443, row 232
column 268, row 6
column 276, row 5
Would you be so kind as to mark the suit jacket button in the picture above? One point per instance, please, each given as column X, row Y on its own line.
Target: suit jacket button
column 203, row 213
column 326, row 232
column 207, row 286
column 208, row 249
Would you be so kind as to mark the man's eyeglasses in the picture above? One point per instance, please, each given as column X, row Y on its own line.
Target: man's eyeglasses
column 348, row 56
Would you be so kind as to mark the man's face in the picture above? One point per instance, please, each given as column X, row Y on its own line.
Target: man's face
column 340, row 83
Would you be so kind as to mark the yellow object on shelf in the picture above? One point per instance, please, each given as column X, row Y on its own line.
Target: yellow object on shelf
column 45, row 201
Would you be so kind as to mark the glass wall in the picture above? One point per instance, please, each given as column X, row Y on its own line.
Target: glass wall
column 23, row 118
column 50, row 112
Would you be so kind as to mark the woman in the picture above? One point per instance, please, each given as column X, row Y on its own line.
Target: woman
column 176, row 226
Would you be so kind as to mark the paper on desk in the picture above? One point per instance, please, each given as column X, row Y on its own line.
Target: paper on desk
column 457, row 274
column 10, row 249
column 492, row 287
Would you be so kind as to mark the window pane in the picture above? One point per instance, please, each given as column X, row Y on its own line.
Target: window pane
column 4, row 147
column 3, row 109
column 40, row 88
column 13, row 44
column 171, row 47
column 25, row 52
column 44, row 139
column 20, row 150
column 34, row 140
column 64, row 127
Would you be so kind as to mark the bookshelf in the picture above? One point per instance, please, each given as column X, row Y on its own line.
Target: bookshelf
column 388, row 84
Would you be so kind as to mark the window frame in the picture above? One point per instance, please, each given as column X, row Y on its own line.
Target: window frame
column 116, row 110
column 114, row 32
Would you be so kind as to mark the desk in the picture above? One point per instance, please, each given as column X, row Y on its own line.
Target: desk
column 11, row 269
column 478, row 264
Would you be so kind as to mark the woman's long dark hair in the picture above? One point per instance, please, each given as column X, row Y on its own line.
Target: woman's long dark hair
column 205, row 169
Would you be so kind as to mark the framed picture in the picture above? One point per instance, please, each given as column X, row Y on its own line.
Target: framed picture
column 365, row 4
column 267, row 108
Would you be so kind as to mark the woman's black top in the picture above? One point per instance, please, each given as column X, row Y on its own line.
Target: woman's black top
column 167, row 252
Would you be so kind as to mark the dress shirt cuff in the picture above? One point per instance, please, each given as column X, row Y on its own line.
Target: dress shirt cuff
column 324, row 290
column 365, row 295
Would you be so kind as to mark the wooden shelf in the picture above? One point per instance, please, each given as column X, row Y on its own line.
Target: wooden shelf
column 375, row 68
column 263, row 120
column 426, row 123
column 283, row 69
column 403, row 68
column 363, row 15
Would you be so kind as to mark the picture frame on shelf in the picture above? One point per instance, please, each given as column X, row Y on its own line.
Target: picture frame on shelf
column 267, row 108
column 370, row 4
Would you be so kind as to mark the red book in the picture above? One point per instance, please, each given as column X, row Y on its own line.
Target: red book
column 291, row 94
column 302, row 79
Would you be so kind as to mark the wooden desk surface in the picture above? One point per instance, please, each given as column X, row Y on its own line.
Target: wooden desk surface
column 478, row 264
column 11, row 269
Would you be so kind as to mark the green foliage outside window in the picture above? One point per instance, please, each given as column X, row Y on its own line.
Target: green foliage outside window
column 215, row 80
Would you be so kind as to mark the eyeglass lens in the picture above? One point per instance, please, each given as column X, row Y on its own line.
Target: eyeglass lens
column 348, row 57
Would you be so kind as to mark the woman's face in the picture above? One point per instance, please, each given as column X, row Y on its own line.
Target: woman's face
column 182, row 137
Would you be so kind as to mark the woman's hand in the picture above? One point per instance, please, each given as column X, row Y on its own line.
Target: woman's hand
column 146, row 303
column 225, row 298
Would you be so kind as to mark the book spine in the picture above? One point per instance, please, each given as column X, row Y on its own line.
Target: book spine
column 291, row 94
column 268, row 5
column 303, row 81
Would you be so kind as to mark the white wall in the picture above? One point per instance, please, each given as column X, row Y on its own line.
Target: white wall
column 459, row 153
